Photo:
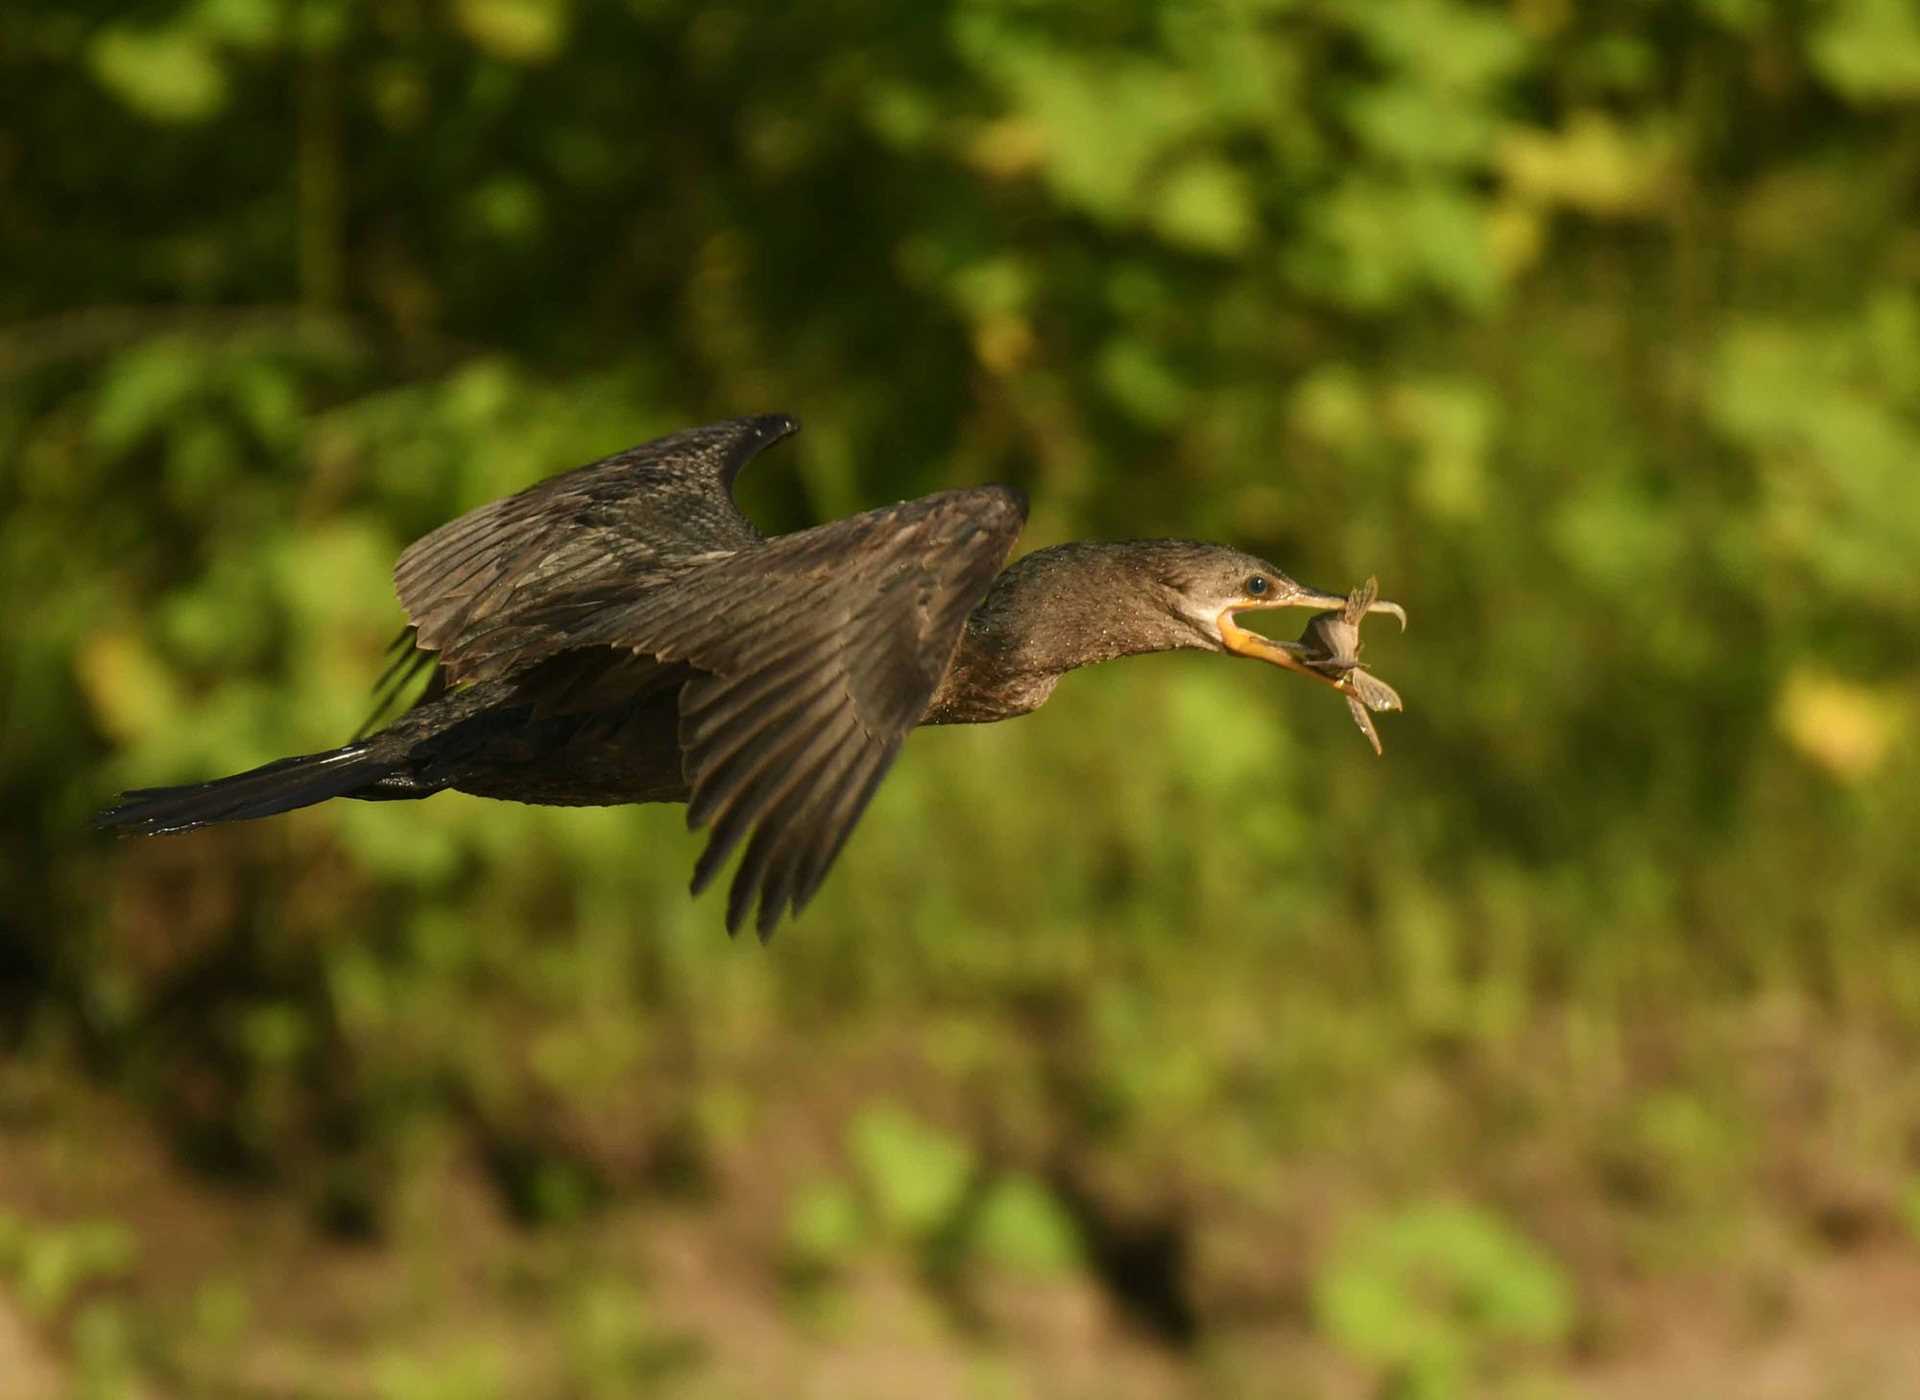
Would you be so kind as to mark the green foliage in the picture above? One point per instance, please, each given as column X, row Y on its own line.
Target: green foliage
column 615, row 1344
column 48, row 1265
column 1910, row 1208
column 1683, row 1152
column 104, row 1353
column 166, row 75
column 477, row 1371
column 1870, row 50
column 916, row 1187
column 826, row 1226
column 1021, row 1225
column 913, row 1173
column 1434, row 1292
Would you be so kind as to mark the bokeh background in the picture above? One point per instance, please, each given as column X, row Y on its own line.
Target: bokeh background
column 1163, row 1043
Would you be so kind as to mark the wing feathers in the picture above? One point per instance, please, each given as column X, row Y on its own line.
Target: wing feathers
column 836, row 821
column 811, row 655
column 630, row 518
column 724, row 770
column 806, row 837
column 826, row 824
column 755, row 794
column 822, row 650
column 778, row 829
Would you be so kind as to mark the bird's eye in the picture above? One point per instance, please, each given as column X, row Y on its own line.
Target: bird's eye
column 1256, row 586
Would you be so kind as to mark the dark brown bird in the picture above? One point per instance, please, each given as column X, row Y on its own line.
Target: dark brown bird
column 621, row 633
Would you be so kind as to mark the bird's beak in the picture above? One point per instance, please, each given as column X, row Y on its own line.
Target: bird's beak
column 1242, row 642
column 1298, row 595
column 1305, row 597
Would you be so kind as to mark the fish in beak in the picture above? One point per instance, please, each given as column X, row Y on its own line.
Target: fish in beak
column 1329, row 650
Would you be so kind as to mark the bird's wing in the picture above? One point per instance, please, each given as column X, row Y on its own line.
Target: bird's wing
column 637, row 517
column 814, row 655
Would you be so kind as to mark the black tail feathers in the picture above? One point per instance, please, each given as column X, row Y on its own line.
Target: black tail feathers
column 259, row 792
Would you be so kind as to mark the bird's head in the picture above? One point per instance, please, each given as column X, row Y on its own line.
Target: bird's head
column 1071, row 605
column 1208, row 586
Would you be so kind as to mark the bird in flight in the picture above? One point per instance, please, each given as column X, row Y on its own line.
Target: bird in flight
column 621, row 633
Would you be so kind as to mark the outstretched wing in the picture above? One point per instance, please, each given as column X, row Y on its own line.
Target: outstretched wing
column 637, row 517
column 814, row 656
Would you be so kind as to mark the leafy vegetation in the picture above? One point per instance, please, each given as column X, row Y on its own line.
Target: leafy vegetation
column 1594, row 331
column 1427, row 1292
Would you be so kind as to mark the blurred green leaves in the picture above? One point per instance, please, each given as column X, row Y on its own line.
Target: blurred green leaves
column 166, row 75
column 825, row 1227
column 47, row 1265
column 914, row 1173
column 1594, row 165
column 1021, row 1225
column 1826, row 412
column 1870, row 49
column 914, row 1186
column 520, row 31
column 1436, row 1293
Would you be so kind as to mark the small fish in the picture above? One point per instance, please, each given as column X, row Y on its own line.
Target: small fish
column 1331, row 647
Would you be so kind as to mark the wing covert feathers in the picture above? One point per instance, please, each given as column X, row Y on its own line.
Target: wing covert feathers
column 816, row 654
column 628, row 521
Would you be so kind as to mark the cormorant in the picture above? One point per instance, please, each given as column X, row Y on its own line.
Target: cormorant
column 621, row 633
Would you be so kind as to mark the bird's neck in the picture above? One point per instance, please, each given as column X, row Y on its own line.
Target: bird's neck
column 1054, row 611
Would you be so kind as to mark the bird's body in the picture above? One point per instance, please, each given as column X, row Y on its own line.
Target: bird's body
column 621, row 633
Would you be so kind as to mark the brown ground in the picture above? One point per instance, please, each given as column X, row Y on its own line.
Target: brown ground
column 235, row 1293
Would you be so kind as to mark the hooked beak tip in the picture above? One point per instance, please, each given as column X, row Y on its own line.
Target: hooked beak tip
column 1327, row 602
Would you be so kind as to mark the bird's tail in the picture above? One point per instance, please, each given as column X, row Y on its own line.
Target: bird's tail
column 259, row 792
